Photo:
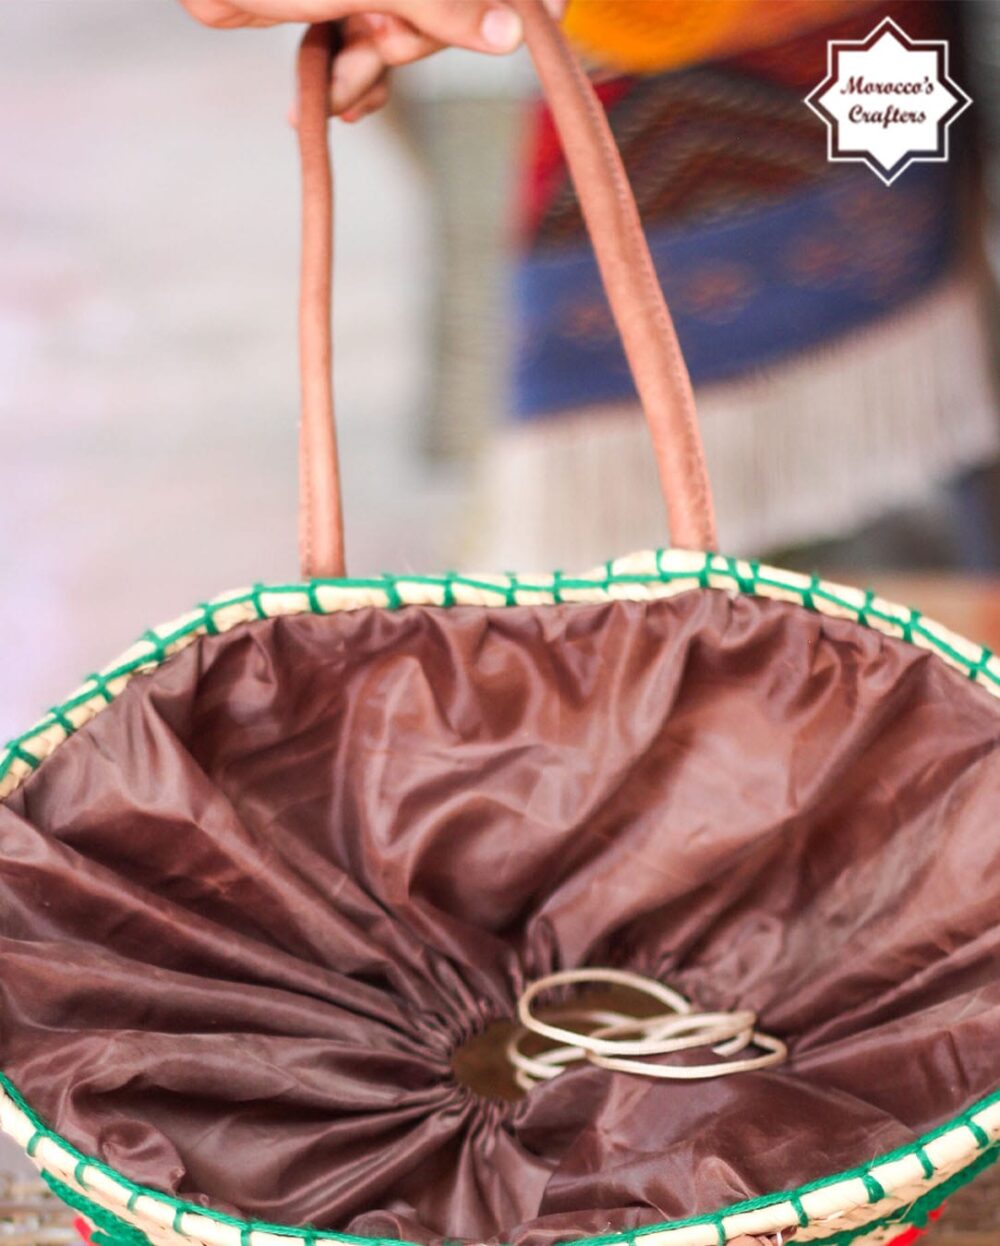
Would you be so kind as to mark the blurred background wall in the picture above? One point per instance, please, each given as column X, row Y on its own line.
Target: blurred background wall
column 148, row 369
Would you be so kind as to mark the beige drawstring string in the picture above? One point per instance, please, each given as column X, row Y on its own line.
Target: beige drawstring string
column 608, row 1046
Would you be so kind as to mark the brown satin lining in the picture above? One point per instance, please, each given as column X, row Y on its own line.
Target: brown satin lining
column 248, row 914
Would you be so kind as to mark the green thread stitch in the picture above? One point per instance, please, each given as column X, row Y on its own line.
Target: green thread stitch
column 59, row 717
column 979, row 1133
column 925, row 1161
column 113, row 1231
column 255, row 594
column 800, row 1211
column 875, row 1191
column 155, row 643
column 393, row 598
column 909, row 623
column 746, row 584
column 100, row 683
column 208, row 618
column 22, row 754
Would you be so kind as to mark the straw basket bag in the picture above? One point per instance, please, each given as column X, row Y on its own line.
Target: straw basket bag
column 284, row 889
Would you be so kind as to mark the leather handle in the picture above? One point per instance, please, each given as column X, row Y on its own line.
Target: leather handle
column 626, row 268
column 321, row 518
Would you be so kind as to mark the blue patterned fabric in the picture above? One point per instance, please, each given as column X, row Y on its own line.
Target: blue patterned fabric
column 745, row 291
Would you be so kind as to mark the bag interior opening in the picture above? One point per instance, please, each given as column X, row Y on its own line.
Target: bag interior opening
column 266, row 918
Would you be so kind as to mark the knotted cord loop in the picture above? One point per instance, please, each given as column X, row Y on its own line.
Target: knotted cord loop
column 605, row 1045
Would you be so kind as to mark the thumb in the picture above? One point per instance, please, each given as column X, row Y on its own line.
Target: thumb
column 479, row 25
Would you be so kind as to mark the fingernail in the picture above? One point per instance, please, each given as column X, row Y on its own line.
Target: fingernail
column 501, row 30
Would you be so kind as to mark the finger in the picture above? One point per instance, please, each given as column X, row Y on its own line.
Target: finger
column 374, row 99
column 480, row 25
column 397, row 41
column 356, row 69
column 225, row 14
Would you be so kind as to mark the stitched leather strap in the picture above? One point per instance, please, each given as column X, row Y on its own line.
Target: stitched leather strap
column 633, row 291
column 321, row 520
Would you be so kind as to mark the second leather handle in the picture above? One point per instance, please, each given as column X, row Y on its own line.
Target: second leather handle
column 626, row 268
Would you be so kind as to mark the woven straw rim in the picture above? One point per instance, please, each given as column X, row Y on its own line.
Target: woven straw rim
column 870, row 1203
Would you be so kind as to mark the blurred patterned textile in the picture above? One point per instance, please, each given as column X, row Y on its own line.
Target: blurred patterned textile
column 833, row 326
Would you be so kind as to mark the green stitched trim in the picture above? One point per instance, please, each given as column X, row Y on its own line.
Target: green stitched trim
column 800, row 1211
column 112, row 1231
column 875, row 1191
column 711, row 566
column 100, row 683
column 918, row 1212
column 151, row 638
column 22, row 754
column 59, row 717
column 255, row 593
column 207, row 618
column 392, row 592
column 908, row 624
column 979, row 1133
column 990, row 1154
column 720, row 1230
column 925, row 1160
column 746, row 584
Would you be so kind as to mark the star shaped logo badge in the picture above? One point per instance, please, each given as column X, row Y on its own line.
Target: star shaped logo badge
column 888, row 100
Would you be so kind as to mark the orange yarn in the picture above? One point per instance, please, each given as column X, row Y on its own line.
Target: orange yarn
column 646, row 36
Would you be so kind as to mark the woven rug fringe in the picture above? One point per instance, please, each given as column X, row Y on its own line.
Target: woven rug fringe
column 808, row 450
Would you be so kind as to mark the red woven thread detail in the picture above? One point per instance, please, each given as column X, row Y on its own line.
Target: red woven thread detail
column 84, row 1228
column 911, row 1234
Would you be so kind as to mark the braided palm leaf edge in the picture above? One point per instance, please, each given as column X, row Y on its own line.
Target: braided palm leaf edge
column 867, row 1205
